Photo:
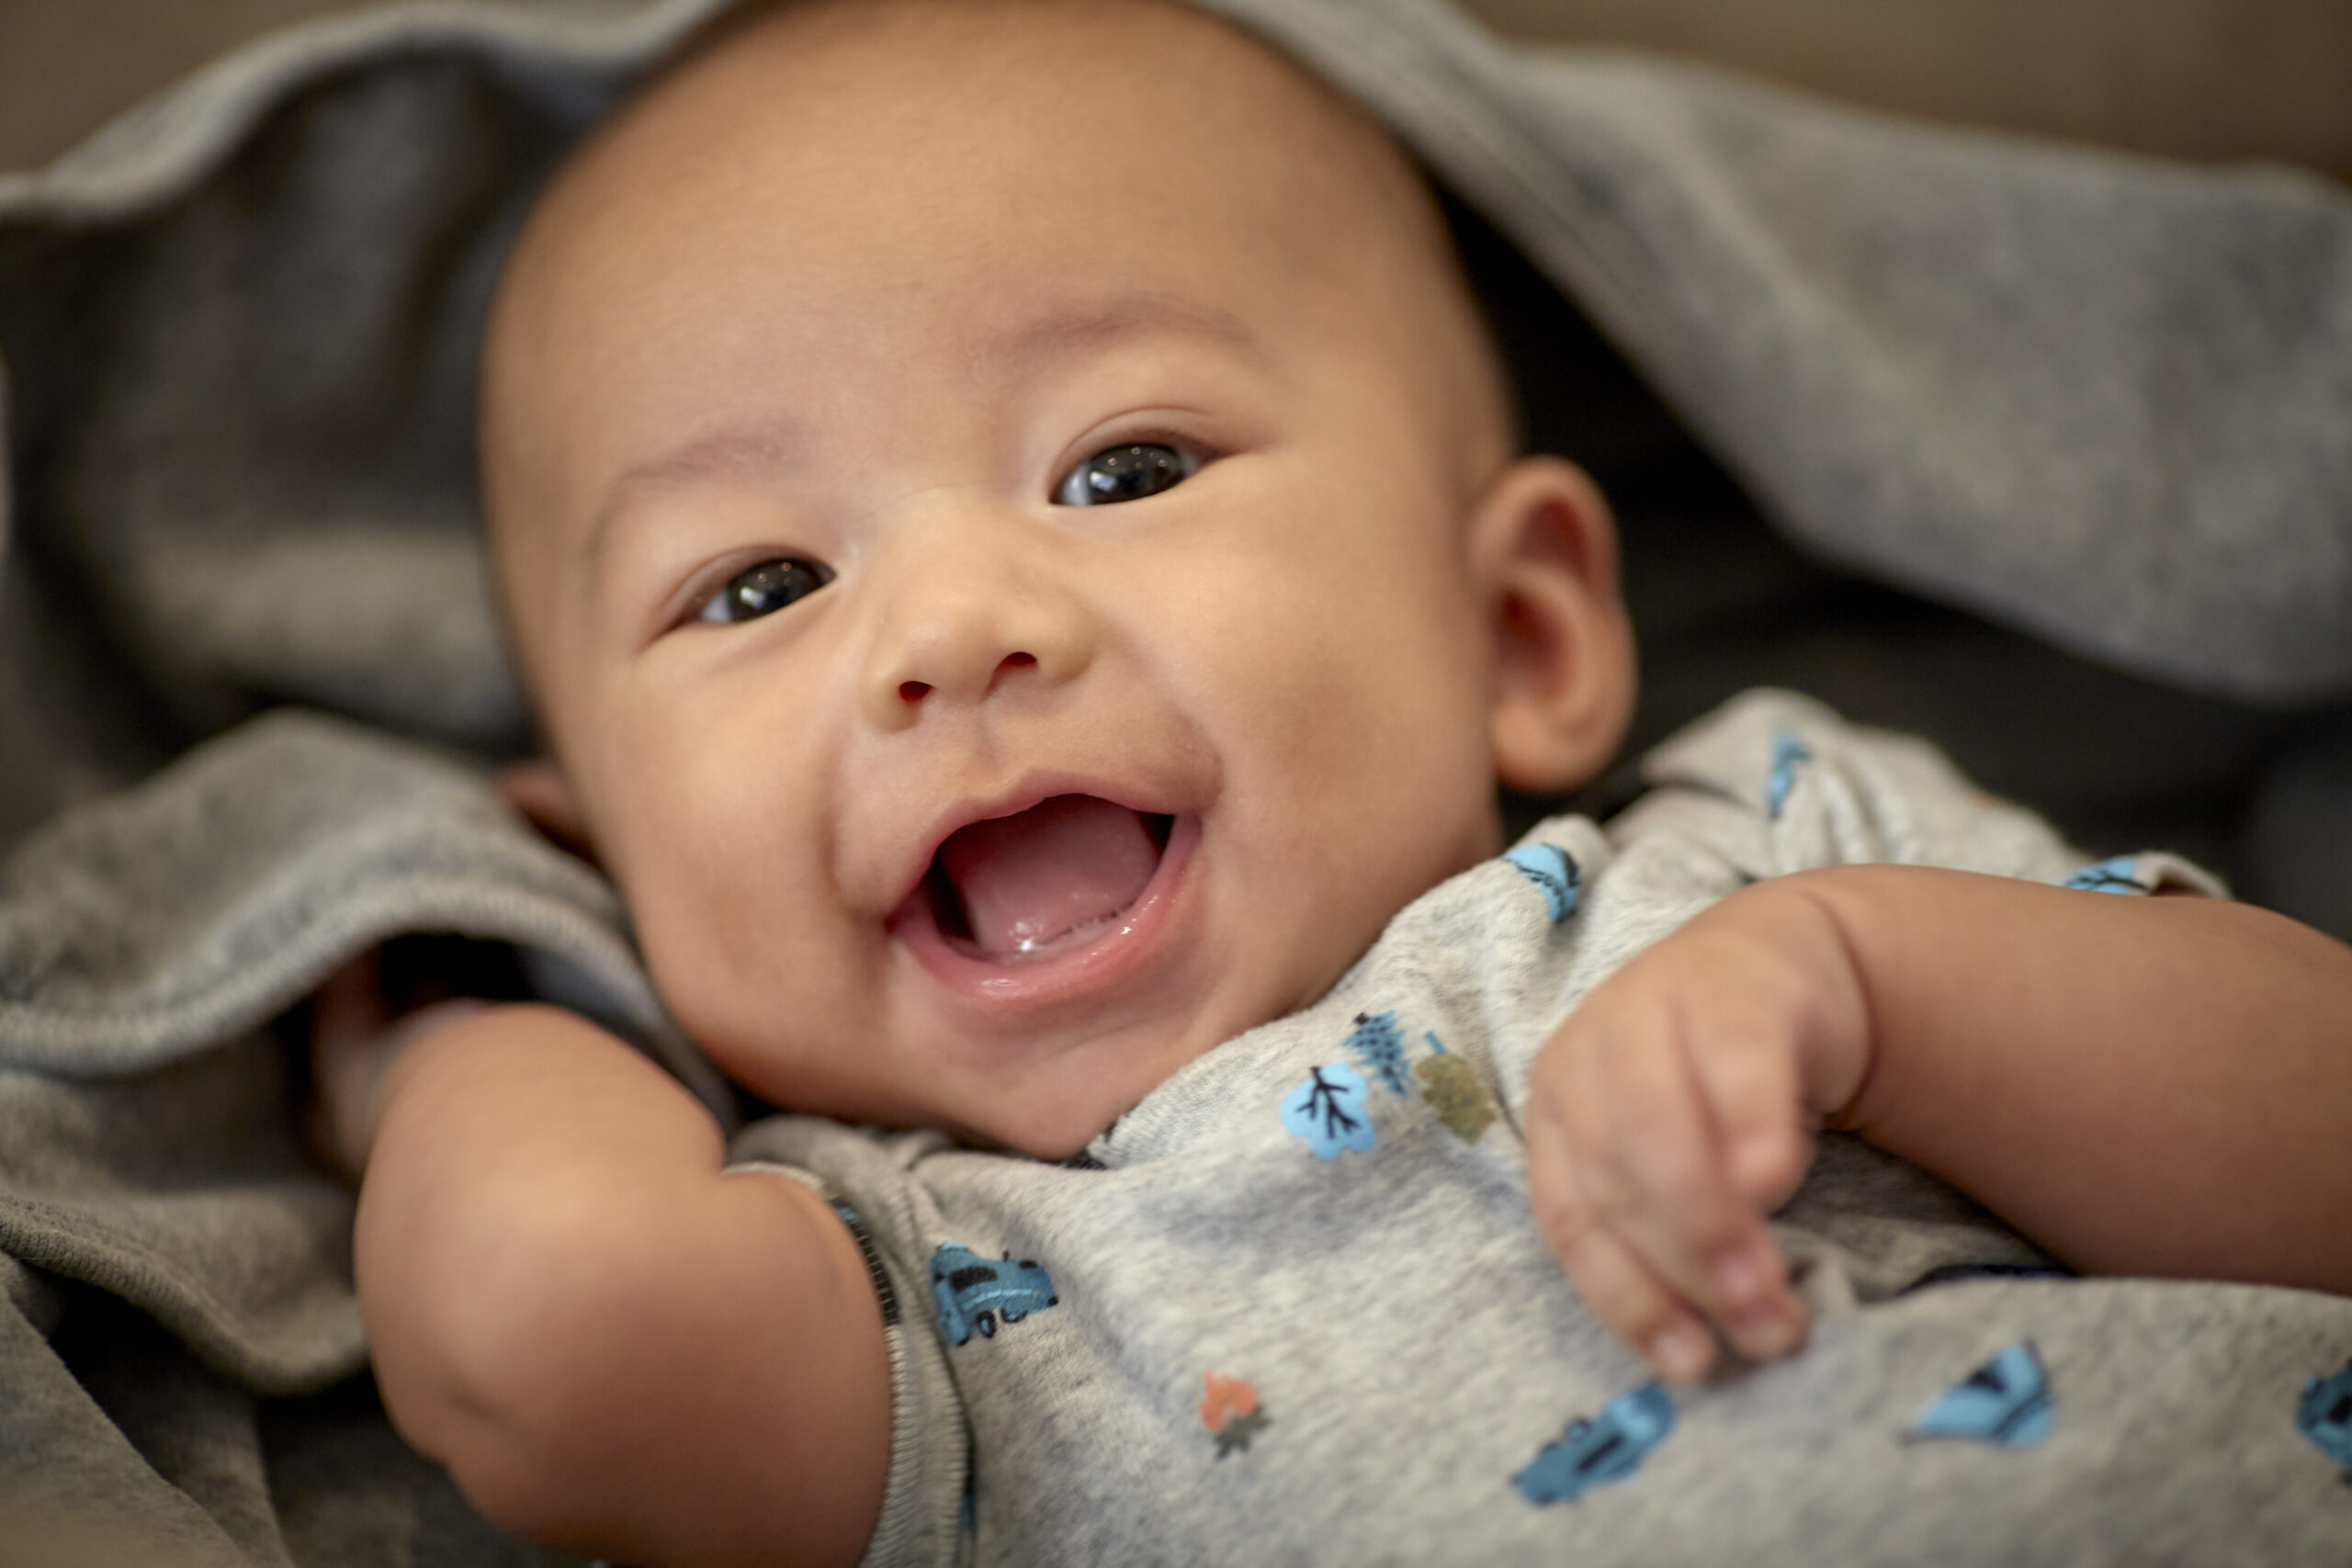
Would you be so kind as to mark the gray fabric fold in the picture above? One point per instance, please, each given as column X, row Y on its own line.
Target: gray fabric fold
column 174, row 917
column 184, row 1355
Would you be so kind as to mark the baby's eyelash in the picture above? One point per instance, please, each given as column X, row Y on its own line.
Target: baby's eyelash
column 1129, row 471
column 764, row 588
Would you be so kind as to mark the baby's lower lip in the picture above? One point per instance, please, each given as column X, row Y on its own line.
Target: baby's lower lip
column 1081, row 965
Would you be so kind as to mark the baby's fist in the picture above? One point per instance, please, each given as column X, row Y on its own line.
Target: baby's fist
column 1676, row 1107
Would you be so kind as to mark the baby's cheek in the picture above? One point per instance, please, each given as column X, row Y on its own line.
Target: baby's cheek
column 779, row 1041
column 1383, row 814
column 732, row 959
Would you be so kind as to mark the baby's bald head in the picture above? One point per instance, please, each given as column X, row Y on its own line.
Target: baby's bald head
column 916, row 141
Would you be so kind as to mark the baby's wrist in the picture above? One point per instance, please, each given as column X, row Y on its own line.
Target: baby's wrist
column 354, row 1070
column 1805, row 916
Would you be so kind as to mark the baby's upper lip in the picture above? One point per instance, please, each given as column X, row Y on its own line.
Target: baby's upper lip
column 1030, row 789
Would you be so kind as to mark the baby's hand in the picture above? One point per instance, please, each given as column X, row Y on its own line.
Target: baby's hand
column 1676, row 1107
column 355, row 1036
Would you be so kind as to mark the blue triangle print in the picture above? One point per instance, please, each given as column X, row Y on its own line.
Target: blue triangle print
column 2006, row 1402
column 2323, row 1415
column 1554, row 871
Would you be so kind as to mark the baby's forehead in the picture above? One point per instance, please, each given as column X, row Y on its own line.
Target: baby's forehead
column 881, row 86
column 896, row 138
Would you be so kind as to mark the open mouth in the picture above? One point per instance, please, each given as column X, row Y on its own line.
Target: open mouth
column 1045, row 880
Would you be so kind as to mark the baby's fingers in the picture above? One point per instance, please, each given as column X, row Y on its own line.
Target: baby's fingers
column 1647, row 1156
column 1621, row 1291
column 1746, row 1074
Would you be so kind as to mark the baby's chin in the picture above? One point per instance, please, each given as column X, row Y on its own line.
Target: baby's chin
column 1058, row 1117
column 1044, row 1117
column 1052, row 1135
column 1046, row 1110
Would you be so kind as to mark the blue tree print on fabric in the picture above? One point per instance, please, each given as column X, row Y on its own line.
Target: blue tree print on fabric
column 1788, row 754
column 2121, row 875
column 2006, row 1403
column 1379, row 1047
column 1551, row 869
column 1329, row 1111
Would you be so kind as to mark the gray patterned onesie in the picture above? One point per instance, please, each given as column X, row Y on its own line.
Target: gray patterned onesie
column 1292, row 1307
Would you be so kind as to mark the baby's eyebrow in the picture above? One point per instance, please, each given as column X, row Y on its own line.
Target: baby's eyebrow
column 1076, row 328
column 1062, row 332
column 760, row 447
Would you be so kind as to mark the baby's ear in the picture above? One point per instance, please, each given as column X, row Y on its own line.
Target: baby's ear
column 1543, row 549
column 538, row 790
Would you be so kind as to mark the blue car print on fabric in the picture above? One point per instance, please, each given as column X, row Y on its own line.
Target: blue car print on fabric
column 2324, row 1415
column 1789, row 753
column 1328, row 1110
column 1595, row 1452
column 2006, row 1402
column 1551, row 869
column 2121, row 875
column 972, row 1292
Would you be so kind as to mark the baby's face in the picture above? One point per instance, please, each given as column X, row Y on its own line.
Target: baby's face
column 982, row 503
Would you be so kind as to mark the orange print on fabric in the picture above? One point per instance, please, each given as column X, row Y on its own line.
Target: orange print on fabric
column 1229, row 1410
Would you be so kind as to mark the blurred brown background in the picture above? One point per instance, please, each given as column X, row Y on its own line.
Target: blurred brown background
column 2193, row 78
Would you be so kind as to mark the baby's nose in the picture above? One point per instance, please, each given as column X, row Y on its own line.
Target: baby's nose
column 969, row 620
column 912, row 691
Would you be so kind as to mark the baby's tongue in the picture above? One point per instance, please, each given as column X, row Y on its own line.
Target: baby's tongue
column 1065, row 862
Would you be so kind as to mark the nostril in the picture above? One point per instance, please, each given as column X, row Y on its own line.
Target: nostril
column 913, row 691
column 1019, row 661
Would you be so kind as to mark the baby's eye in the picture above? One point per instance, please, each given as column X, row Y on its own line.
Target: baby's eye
column 1124, row 473
column 764, row 589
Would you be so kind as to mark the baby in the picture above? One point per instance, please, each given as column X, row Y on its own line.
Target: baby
column 1008, row 516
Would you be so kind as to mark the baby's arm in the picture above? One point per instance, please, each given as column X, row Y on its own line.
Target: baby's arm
column 615, row 1348
column 2145, row 1086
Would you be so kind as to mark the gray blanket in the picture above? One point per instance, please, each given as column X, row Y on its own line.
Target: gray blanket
column 250, row 685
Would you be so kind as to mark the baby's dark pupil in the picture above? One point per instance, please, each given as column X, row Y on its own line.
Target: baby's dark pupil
column 768, row 587
column 1128, row 473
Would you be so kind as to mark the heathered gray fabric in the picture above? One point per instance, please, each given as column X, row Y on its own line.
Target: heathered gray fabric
column 2101, row 399
column 1413, row 1346
column 182, row 1341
